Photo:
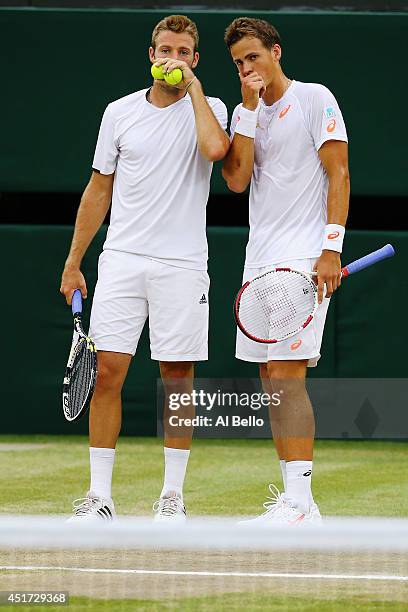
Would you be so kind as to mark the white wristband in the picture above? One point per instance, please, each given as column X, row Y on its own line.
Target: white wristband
column 333, row 237
column 247, row 121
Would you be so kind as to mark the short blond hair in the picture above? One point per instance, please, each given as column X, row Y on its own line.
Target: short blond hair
column 177, row 24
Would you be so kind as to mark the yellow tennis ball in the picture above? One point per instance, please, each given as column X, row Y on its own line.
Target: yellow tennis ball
column 174, row 77
column 157, row 72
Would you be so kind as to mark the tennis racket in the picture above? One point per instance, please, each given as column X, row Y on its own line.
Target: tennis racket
column 281, row 302
column 81, row 371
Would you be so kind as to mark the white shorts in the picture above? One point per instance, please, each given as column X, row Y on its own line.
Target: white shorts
column 305, row 345
column 131, row 288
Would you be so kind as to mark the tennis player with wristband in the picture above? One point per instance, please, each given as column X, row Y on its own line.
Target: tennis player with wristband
column 153, row 159
column 289, row 142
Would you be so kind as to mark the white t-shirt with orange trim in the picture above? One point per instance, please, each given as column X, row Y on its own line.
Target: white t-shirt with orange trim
column 162, row 181
column 288, row 196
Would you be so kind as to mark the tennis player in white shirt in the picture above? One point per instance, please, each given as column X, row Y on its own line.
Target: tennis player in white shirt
column 289, row 142
column 153, row 160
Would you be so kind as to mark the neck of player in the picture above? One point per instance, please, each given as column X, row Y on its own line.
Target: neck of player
column 162, row 95
column 276, row 89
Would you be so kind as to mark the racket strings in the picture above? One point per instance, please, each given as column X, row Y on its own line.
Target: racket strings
column 276, row 305
column 275, row 302
column 82, row 377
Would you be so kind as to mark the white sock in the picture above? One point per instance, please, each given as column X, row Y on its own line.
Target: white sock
column 175, row 465
column 298, row 483
column 282, row 463
column 311, row 500
column 101, row 460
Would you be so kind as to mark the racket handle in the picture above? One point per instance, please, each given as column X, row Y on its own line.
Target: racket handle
column 76, row 302
column 368, row 260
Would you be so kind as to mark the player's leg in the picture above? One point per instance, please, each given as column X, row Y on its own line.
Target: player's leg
column 105, row 420
column 106, row 407
column 293, row 419
column 293, row 428
column 119, row 311
column 274, row 420
column 178, row 319
column 177, row 380
column 104, row 426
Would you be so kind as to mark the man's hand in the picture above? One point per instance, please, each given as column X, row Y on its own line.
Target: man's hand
column 252, row 88
column 328, row 268
column 170, row 64
column 72, row 278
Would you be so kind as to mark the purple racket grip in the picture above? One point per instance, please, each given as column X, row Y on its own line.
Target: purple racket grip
column 368, row 260
column 76, row 302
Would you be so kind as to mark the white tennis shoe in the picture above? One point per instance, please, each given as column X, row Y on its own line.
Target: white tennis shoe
column 282, row 511
column 288, row 514
column 92, row 508
column 169, row 509
column 271, row 505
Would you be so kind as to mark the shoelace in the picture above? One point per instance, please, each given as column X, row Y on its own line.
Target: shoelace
column 273, row 502
column 278, row 502
column 83, row 505
column 168, row 506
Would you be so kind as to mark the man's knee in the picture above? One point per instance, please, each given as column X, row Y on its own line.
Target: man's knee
column 176, row 369
column 112, row 370
column 287, row 369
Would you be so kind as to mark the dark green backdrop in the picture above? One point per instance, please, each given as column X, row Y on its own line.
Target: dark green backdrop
column 36, row 330
column 60, row 68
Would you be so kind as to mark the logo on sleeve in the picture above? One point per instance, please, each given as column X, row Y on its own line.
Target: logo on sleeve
column 284, row 111
column 330, row 112
column 203, row 299
column 331, row 126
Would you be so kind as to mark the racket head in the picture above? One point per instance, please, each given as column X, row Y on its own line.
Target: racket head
column 80, row 375
column 275, row 305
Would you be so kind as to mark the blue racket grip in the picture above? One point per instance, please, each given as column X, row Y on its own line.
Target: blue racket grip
column 76, row 302
column 369, row 260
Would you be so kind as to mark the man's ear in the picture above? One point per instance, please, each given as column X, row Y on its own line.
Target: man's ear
column 276, row 52
column 195, row 60
column 151, row 54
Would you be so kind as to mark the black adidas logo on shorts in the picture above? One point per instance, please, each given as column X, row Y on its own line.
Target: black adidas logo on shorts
column 203, row 299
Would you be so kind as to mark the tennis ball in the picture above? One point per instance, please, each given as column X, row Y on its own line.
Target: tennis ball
column 157, row 72
column 174, row 77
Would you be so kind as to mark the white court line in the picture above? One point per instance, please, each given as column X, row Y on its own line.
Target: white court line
column 208, row 574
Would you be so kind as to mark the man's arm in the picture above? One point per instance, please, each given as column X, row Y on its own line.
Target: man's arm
column 239, row 162
column 92, row 211
column 334, row 157
column 213, row 141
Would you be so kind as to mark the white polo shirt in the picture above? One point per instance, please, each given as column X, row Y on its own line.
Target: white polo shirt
column 288, row 196
column 161, row 183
